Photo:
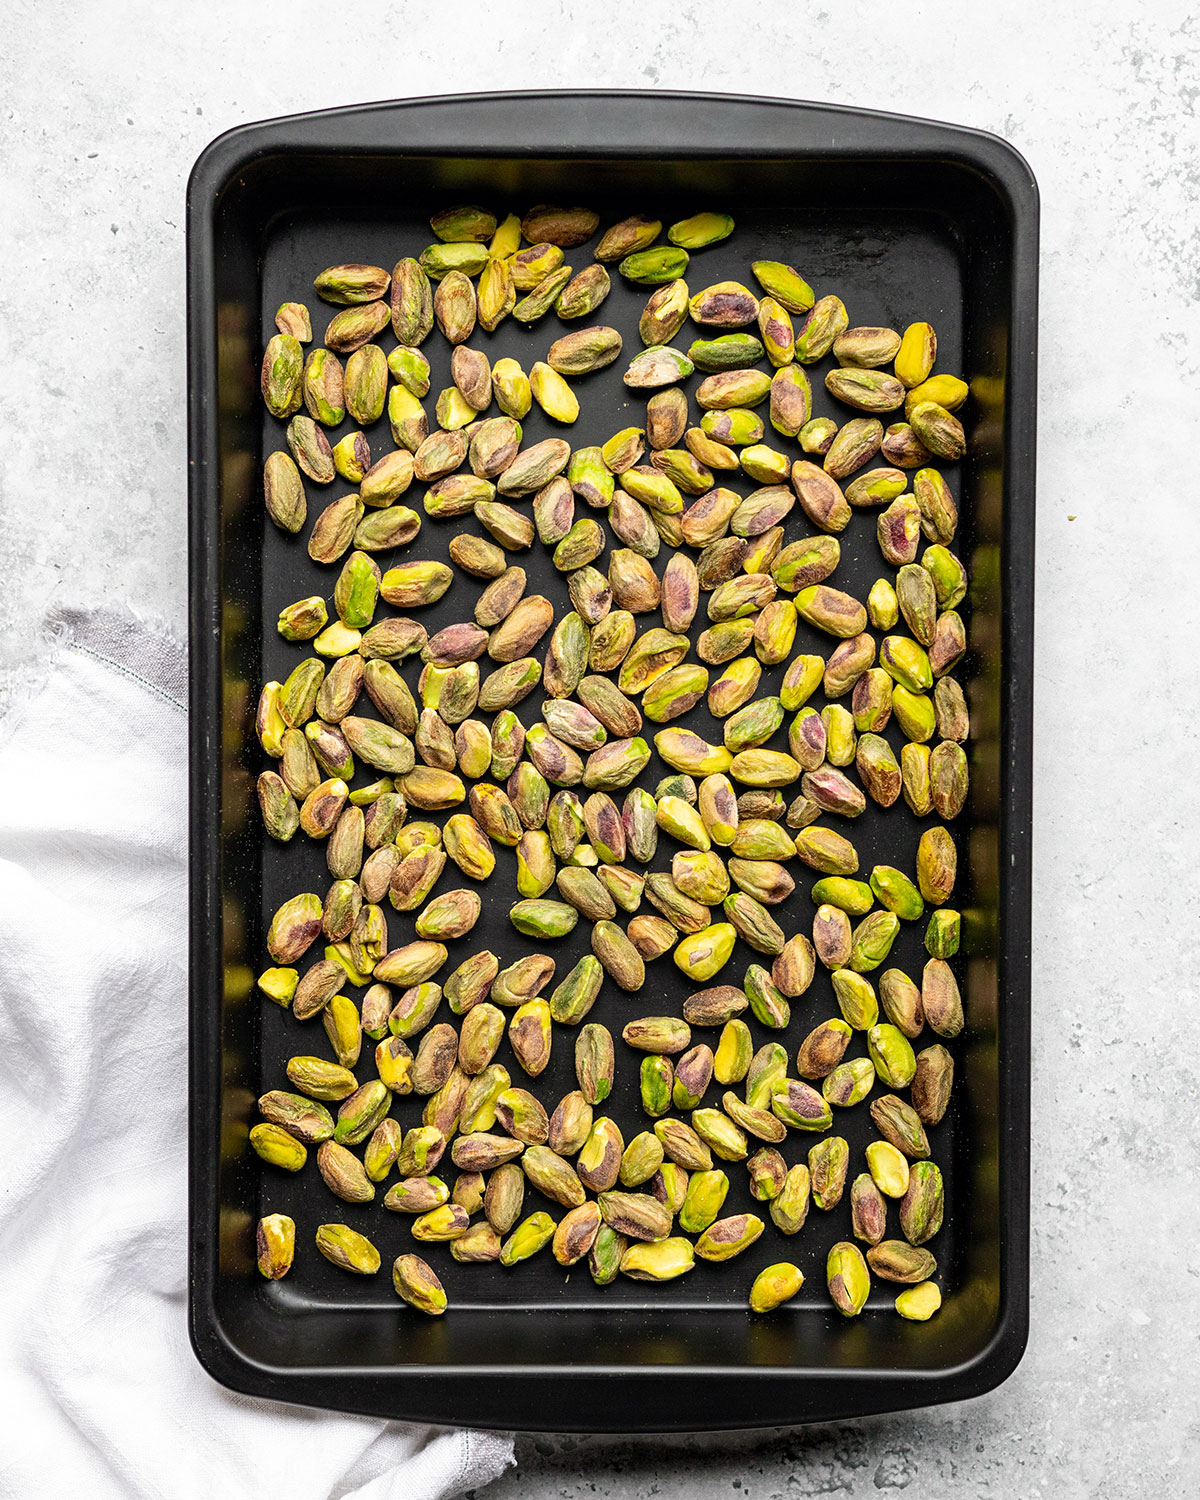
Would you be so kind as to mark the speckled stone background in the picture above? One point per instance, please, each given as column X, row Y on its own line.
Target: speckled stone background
column 105, row 107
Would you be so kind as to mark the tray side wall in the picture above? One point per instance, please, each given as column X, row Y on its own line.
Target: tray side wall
column 253, row 1342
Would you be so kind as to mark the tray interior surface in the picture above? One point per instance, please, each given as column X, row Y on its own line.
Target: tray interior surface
column 900, row 244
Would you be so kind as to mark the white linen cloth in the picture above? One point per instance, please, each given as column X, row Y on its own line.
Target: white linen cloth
column 100, row 1391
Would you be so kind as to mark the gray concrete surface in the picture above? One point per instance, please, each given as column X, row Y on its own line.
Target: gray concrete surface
column 106, row 105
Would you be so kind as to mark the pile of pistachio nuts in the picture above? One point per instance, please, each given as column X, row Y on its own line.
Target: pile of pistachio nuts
column 693, row 547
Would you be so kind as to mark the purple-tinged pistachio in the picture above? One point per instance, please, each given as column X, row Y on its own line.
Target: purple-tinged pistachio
column 416, row 1283
column 800, row 1106
column 763, row 550
column 948, row 644
column 895, row 1260
column 651, row 936
column 531, row 266
column 868, row 390
column 693, row 1074
column 294, row 928
column 823, row 1049
column 938, row 430
column 932, row 1083
column 856, row 443
column 789, row 1207
column 732, row 389
column 868, row 1211
column 901, row 1001
column 948, row 779
column 570, row 1125
column 435, row 1059
column 832, row 937
column 282, row 369
column 324, row 388
column 576, row 1234
column 566, row 227
column 407, row 421
column 707, row 520
column 625, row 238
column 850, row 1082
column 584, row 293
column 903, row 448
column 921, row 1206
column 828, row 1162
column 940, row 998
column 729, row 351
column 820, row 497
column 509, row 527
column 762, row 510
column 873, row 939
column 412, row 303
column 728, row 1237
column 666, row 422
column 347, row 1249
column 640, row 1160
column 726, row 304
column 944, row 933
column 804, row 563
column 655, row 367
column 856, row 999
column 542, row 297
column 283, row 493
column 847, row 1278
column 866, row 348
column 948, row 575
column 900, row 1124
column 791, row 399
column 521, row 629
column 356, row 326
column 939, row 513
column 794, row 966
column 275, row 1241
column 311, row 450
column 293, row 318
column 343, row 1174
column 778, row 335
column 878, row 769
column 768, row 1003
column 826, row 319
column 871, row 702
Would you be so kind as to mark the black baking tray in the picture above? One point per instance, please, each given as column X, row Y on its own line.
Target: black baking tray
column 905, row 219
